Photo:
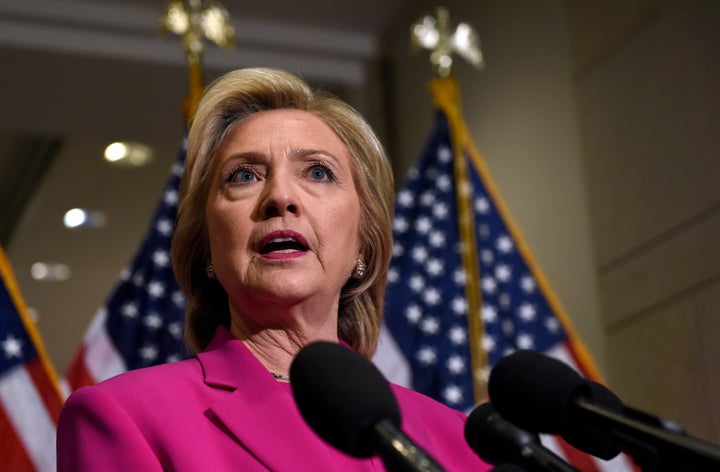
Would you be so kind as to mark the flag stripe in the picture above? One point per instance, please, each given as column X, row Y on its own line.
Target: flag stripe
column 78, row 376
column 13, row 456
column 29, row 416
column 44, row 388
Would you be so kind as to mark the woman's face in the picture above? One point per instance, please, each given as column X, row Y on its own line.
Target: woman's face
column 283, row 213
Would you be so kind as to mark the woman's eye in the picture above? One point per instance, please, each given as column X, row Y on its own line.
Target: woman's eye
column 320, row 172
column 241, row 176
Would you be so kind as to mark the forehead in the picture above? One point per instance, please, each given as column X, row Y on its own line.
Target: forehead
column 284, row 126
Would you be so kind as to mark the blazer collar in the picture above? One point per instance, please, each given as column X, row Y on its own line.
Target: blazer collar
column 259, row 408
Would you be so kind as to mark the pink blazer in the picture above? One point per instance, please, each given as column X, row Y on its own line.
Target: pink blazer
column 223, row 411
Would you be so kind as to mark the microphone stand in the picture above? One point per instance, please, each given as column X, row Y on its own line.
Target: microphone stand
column 653, row 449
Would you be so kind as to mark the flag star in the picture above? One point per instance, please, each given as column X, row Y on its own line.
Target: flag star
column 432, row 296
column 503, row 273
column 413, row 174
column 444, row 154
column 456, row 364
column 423, row 225
column 444, row 182
column 458, row 335
column 465, row 189
column 160, row 258
column 125, row 274
column 552, row 324
column 434, row 267
column 170, row 197
column 417, row 283
column 459, row 276
column 413, row 313
column 404, row 198
column 164, row 226
column 427, row 355
column 173, row 358
column 177, row 169
column 430, row 325
column 504, row 301
column 440, row 210
column 487, row 256
column 419, row 254
column 175, row 329
column 153, row 321
column 489, row 314
column 178, row 298
column 398, row 249
column 489, row 285
column 525, row 341
column 505, row 244
column 400, row 225
column 393, row 275
column 459, row 305
column 156, row 289
column 482, row 205
column 527, row 311
column 508, row 328
column 129, row 310
column 427, row 198
column 527, row 283
column 453, row 394
column 489, row 343
column 12, row 347
column 436, row 238
column 483, row 231
column 138, row 279
column 148, row 353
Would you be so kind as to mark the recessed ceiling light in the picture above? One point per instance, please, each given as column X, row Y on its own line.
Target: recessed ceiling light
column 128, row 153
column 50, row 271
column 82, row 218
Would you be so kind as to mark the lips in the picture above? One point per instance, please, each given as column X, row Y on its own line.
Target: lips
column 282, row 242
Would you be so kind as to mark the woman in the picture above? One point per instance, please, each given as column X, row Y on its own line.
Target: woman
column 283, row 237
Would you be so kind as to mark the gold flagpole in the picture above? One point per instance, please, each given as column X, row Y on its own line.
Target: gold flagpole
column 433, row 32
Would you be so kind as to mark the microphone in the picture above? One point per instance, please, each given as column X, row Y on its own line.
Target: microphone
column 542, row 394
column 349, row 404
column 500, row 442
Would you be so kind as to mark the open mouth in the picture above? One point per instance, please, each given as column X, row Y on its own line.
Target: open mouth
column 282, row 245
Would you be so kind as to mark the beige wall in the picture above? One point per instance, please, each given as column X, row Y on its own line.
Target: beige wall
column 599, row 124
column 648, row 101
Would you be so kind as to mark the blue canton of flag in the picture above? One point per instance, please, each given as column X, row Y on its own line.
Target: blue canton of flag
column 142, row 322
column 426, row 309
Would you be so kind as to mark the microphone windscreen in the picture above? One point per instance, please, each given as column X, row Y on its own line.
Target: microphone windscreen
column 494, row 439
column 533, row 391
column 342, row 396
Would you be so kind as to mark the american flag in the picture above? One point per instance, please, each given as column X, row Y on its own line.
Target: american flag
column 141, row 323
column 30, row 399
column 426, row 311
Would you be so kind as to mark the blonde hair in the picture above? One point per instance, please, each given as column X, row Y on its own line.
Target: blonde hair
column 231, row 98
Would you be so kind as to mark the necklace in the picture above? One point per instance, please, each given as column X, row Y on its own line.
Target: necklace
column 282, row 378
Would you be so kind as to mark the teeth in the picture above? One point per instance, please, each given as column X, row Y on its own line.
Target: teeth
column 282, row 240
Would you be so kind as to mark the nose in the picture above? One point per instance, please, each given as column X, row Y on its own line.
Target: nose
column 278, row 197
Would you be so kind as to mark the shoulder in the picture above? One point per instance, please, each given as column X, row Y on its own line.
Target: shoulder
column 411, row 400
column 141, row 386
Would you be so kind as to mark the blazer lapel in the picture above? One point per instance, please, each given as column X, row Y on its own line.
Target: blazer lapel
column 258, row 408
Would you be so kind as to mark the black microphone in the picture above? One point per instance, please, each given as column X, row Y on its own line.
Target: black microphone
column 349, row 404
column 542, row 394
column 499, row 442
